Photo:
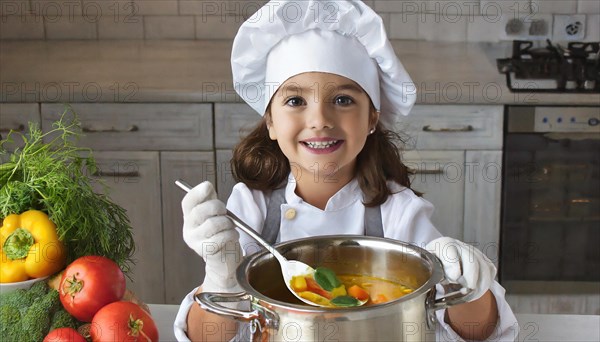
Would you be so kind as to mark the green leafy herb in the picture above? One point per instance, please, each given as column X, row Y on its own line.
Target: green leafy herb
column 345, row 301
column 50, row 173
column 326, row 278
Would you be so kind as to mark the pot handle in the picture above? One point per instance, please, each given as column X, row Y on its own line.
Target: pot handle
column 455, row 294
column 208, row 301
column 261, row 319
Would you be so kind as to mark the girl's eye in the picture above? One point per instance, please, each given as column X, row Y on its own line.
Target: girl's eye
column 295, row 101
column 343, row 100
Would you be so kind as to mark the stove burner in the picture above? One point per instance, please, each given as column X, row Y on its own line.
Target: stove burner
column 575, row 69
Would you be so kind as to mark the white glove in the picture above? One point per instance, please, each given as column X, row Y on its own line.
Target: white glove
column 464, row 264
column 213, row 236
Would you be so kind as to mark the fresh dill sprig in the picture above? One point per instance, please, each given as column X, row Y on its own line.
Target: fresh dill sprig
column 51, row 173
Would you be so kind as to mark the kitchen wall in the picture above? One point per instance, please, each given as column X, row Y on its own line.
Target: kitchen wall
column 434, row 20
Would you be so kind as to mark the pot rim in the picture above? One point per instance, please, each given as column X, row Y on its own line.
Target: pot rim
column 437, row 273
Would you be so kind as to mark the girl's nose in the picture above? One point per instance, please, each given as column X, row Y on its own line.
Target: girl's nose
column 319, row 118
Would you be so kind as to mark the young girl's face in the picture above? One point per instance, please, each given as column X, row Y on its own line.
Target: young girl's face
column 321, row 122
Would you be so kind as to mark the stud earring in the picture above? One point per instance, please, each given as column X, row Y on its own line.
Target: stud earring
column 372, row 131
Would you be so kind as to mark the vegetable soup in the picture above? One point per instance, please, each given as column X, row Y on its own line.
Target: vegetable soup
column 328, row 289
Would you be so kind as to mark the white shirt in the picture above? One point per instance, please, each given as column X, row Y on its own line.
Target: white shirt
column 405, row 217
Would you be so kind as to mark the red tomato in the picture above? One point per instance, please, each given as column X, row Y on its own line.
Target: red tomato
column 123, row 321
column 88, row 284
column 313, row 286
column 64, row 335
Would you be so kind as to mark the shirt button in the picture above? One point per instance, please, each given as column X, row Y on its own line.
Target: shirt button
column 290, row 214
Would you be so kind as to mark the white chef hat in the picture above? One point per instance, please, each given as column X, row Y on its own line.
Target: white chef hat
column 286, row 38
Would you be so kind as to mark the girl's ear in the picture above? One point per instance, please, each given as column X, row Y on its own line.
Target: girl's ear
column 272, row 133
column 374, row 118
column 269, row 123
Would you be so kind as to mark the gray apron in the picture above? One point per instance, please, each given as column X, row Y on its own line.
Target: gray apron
column 270, row 232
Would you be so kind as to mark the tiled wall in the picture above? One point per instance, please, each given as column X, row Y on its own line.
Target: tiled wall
column 440, row 20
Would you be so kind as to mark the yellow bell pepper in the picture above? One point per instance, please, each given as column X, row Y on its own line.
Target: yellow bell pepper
column 29, row 247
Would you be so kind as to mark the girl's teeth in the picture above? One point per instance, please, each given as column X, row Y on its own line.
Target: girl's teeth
column 321, row 144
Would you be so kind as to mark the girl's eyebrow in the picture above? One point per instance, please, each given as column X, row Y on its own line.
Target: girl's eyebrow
column 347, row 86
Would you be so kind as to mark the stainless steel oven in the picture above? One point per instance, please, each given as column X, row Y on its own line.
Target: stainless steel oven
column 550, row 229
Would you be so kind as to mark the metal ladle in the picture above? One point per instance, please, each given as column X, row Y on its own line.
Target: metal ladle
column 289, row 268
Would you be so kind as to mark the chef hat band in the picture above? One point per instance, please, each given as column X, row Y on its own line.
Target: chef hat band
column 321, row 51
column 285, row 38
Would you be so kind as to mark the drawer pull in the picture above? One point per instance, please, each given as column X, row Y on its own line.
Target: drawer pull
column 426, row 171
column 126, row 174
column 467, row 128
column 19, row 128
column 132, row 128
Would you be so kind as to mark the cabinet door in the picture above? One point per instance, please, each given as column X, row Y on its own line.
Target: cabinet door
column 16, row 117
column 482, row 201
column 439, row 175
column 184, row 269
column 134, row 183
column 225, row 181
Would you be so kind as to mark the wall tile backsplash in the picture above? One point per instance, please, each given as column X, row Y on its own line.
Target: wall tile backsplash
column 435, row 20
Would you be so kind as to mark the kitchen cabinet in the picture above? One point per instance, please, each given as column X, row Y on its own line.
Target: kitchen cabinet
column 455, row 152
column 141, row 149
column 438, row 175
column 463, row 145
column 133, row 181
column 232, row 122
column 184, row 269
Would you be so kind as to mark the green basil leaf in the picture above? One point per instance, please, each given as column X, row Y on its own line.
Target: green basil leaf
column 345, row 301
column 326, row 278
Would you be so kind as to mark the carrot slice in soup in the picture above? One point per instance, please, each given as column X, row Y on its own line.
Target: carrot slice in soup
column 358, row 292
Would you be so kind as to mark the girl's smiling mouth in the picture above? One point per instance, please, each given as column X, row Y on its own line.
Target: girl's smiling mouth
column 322, row 145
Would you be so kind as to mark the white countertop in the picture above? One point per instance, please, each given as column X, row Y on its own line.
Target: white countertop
column 199, row 71
column 533, row 327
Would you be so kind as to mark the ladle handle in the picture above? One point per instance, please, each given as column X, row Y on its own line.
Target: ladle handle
column 242, row 225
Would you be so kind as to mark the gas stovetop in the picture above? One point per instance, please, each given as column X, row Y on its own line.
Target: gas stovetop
column 553, row 68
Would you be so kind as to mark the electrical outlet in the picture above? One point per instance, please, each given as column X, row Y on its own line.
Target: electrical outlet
column 569, row 27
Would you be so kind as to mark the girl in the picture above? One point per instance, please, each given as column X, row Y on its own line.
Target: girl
column 324, row 161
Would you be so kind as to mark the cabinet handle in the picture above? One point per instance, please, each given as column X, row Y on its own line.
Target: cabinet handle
column 132, row 128
column 126, row 174
column 468, row 128
column 426, row 171
column 19, row 128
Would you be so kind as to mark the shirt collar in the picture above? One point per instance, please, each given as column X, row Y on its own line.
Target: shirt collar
column 345, row 197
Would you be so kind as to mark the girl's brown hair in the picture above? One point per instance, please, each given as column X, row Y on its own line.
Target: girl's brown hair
column 259, row 163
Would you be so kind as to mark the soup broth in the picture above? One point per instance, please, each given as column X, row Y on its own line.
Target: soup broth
column 380, row 290
column 325, row 288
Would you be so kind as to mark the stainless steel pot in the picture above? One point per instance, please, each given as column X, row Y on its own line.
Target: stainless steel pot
column 276, row 315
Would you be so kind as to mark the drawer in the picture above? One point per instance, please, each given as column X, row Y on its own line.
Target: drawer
column 453, row 127
column 16, row 117
column 233, row 121
column 137, row 126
